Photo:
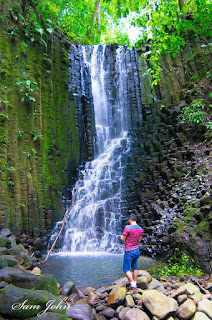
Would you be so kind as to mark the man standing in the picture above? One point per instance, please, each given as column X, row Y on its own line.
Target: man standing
column 131, row 237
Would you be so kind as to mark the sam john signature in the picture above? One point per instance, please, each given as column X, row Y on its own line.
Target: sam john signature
column 50, row 306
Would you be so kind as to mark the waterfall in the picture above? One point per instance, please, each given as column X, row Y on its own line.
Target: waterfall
column 96, row 220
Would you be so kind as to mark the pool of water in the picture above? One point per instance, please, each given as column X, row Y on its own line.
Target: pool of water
column 89, row 269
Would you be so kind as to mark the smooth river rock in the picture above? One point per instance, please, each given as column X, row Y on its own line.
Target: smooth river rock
column 116, row 296
column 136, row 314
column 158, row 304
column 205, row 306
column 187, row 309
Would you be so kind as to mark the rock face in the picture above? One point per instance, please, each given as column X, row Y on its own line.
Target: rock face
column 41, row 132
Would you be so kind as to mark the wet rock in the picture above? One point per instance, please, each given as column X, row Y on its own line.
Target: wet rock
column 4, row 242
column 87, row 290
column 79, row 311
column 206, row 307
column 5, row 232
column 73, row 298
column 158, row 304
column 30, row 281
column 5, row 273
column 108, row 312
column 92, row 299
column 136, row 314
column 3, row 251
column 7, row 261
column 68, row 288
column 187, row 309
column 116, row 296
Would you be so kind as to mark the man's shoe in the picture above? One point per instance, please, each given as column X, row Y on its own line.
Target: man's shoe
column 132, row 291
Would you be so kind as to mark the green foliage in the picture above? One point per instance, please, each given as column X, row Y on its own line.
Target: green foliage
column 20, row 133
column 195, row 114
column 33, row 20
column 166, row 25
column 3, row 116
column 36, row 136
column 177, row 266
column 28, row 89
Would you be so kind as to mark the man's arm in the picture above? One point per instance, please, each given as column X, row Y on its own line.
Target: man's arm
column 123, row 238
column 140, row 239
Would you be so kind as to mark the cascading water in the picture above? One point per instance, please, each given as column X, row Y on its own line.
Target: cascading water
column 96, row 219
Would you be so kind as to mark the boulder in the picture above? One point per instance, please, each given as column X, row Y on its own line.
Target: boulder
column 5, row 232
column 156, row 285
column 79, row 311
column 98, row 316
column 108, row 312
column 186, row 309
column 142, row 282
column 129, row 302
column 31, row 281
column 158, row 304
column 51, row 316
column 7, row 261
column 193, row 291
column 179, row 291
column 3, row 250
column 5, row 242
column 123, row 312
column 87, row 290
column 92, row 299
column 68, row 288
column 200, row 316
column 136, row 314
column 146, row 274
column 73, row 298
column 182, row 298
column 23, row 303
column 116, row 296
column 122, row 281
column 205, row 306
column 5, row 273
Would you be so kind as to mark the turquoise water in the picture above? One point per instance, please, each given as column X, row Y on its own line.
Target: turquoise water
column 89, row 269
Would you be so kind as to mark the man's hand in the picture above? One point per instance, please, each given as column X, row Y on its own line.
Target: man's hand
column 123, row 238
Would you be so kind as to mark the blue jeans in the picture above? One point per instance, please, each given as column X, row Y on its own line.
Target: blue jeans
column 130, row 260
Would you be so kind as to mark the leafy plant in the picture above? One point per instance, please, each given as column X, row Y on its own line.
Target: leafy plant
column 28, row 89
column 11, row 183
column 10, row 169
column 177, row 266
column 3, row 116
column 195, row 114
column 36, row 136
column 166, row 23
column 20, row 133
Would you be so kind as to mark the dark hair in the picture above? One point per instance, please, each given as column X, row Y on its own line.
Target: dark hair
column 133, row 217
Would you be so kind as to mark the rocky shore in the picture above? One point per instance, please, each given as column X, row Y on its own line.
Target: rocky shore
column 26, row 294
